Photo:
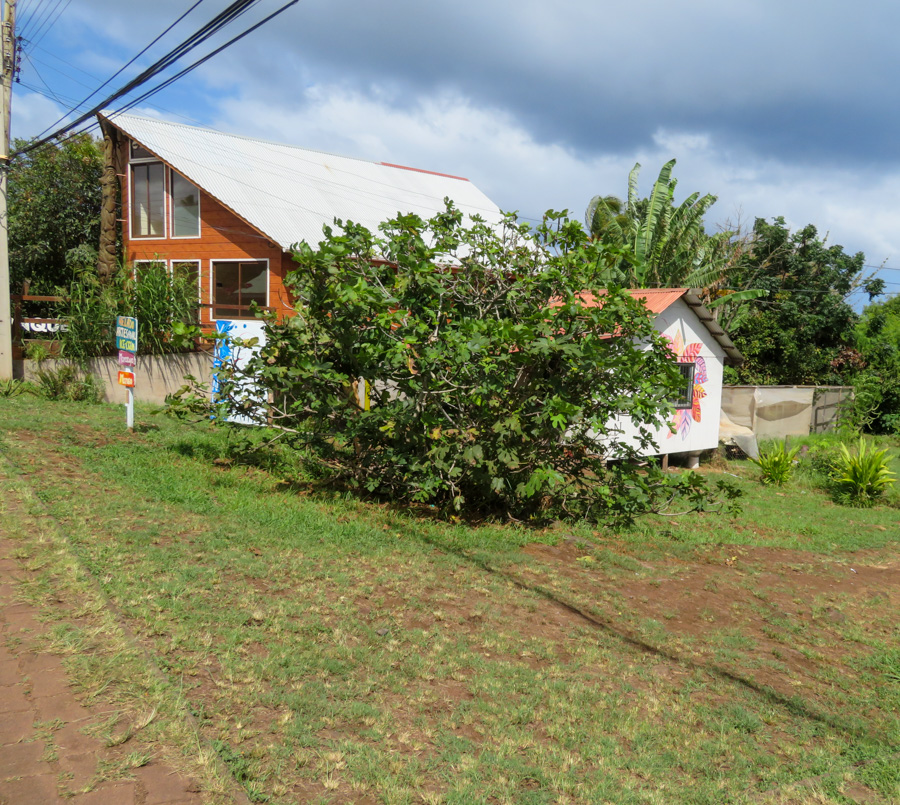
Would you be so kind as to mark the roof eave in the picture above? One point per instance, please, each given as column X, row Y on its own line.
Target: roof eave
column 733, row 355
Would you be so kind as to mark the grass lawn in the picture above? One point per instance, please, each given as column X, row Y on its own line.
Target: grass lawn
column 329, row 650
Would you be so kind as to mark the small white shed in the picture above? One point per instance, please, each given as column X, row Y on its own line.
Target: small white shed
column 702, row 348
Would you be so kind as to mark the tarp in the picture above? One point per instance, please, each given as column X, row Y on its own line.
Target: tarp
column 773, row 412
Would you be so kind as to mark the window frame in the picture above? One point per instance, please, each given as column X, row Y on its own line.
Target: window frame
column 212, row 286
column 685, row 399
column 142, row 161
column 170, row 197
column 144, row 261
column 199, row 264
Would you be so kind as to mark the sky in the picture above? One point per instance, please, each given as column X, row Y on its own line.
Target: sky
column 778, row 108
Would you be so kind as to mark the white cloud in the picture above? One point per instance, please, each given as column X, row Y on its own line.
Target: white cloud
column 450, row 134
column 32, row 113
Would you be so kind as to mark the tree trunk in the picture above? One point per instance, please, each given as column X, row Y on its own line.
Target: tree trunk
column 109, row 184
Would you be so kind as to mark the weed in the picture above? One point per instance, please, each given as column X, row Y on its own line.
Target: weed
column 776, row 463
column 11, row 387
column 862, row 477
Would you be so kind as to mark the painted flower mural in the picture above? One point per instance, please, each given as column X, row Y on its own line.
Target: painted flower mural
column 689, row 353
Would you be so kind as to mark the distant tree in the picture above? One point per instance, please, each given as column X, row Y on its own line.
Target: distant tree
column 802, row 333
column 878, row 343
column 54, row 211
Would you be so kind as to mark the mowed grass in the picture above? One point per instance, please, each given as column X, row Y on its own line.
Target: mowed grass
column 339, row 651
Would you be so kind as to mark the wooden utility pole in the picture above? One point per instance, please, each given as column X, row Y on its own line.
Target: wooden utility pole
column 7, row 74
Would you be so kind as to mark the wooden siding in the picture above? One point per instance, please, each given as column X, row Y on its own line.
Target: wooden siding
column 223, row 236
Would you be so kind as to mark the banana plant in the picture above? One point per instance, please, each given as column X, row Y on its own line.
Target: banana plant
column 668, row 242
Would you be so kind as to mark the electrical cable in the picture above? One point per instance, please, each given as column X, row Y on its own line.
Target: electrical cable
column 235, row 10
column 51, row 19
column 121, row 69
column 205, row 59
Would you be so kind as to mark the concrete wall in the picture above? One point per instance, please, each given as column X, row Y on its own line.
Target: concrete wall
column 155, row 375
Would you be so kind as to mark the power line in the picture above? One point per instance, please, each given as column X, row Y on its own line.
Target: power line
column 51, row 19
column 205, row 59
column 121, row 69
column 235, row 10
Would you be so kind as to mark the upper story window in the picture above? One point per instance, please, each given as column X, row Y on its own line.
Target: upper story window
column 185, row 208
column 150, row 196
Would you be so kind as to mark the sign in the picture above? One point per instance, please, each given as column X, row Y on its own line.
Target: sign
column 126, row 379
column 126, row 333
column 127, row 358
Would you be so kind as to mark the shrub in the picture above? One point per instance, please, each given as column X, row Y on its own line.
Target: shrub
column 457, row 367
column 11, row 387
column 862, row 477
column 164, row 305
column 776, row 463
column 66, row 382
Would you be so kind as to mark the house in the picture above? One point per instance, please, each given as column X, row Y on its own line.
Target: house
column 227, row 209
column 702, row 349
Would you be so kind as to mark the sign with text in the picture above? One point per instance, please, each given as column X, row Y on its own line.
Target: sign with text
column 126, row 379
column 126, row 333
column 127, row 358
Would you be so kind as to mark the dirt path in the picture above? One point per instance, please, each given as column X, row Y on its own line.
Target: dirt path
column 57, row 744
column 45, row 748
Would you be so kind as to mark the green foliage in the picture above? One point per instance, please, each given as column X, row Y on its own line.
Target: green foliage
column 165, row 306
column 776, row 463
column 862, row 477
column 667, row 245
column 800, row 333
column 11, row 387
column 458, row 367
column 878, row 341
column 65, row 382
column 862, row 410
column 54, row 207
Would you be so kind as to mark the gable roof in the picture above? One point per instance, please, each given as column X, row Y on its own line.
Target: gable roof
column 656, row 300
column 288, row 193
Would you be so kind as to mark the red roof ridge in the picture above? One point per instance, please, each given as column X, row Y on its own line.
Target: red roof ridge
column 422, row 170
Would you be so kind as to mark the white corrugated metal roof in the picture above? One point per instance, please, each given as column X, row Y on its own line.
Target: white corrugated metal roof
column 287, row 192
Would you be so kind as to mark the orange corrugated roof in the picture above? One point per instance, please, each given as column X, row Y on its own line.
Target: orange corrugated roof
column 656, row 300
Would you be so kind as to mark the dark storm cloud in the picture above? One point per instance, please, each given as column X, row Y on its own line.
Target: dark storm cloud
column 792, row 80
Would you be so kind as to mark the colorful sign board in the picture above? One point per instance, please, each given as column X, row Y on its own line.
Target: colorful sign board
column 126, row 333
column 127, row 358
column 126, row 379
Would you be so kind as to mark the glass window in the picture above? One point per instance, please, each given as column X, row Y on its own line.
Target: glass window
column 187, row 272
column 148, row 200
column 139, row 152
column 143, row 269
column 236, row 285
column 685, row 398
column 185, row 208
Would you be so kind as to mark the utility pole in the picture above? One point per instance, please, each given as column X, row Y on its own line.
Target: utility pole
column 7, row 74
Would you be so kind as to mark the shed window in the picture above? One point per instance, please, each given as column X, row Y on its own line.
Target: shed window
column 185, row 208
column 236, row 285
column 148, row 200
column 685, row 397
